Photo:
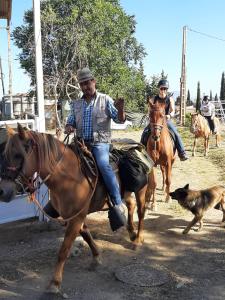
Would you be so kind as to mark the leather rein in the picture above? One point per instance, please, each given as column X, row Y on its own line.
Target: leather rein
column 33, row 184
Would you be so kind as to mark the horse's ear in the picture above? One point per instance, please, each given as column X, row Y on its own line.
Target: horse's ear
column 186, row 187
column 10, row 130
column 22, row 132
column 150, row 102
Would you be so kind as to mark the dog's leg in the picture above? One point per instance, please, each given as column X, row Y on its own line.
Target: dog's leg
column 192, row 223
column 200, row 224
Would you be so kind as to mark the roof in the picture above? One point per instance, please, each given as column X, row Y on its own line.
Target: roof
column 5, row 10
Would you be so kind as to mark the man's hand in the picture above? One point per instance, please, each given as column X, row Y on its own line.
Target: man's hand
column 69, row 129
column 119, row 104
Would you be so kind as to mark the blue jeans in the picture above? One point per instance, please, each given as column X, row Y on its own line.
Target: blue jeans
column 100, row 152
column 178, row 142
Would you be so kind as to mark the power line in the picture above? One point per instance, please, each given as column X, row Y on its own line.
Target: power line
column 206, row 34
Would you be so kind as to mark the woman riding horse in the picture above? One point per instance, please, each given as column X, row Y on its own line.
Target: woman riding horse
column 163, row 97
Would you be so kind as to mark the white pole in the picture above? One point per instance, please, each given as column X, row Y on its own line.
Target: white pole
column 39, row 69
column 10, row 72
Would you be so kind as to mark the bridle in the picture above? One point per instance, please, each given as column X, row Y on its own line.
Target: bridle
column 195, row 126
column 157, row 126
column 34, row 182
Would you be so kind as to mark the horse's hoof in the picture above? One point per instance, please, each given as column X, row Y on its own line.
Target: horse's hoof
column 147, row 205
column 53, row 289
column 132, row 235
column 137, row 243
column 153, row 207
column 168, row 200
column 95, row 264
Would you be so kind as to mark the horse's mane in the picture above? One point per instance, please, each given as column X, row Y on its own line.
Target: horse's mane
column 47, row 147
column 202, row 121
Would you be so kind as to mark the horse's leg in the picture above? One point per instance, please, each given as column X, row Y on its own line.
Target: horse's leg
column 150, row 194
column 194, row 146
column 163, row 177
column 72, row 230
column 86, row 235
column 206, row 145
column 218, row 140
column 130, row 202
column 140, row 198
column 168, row 181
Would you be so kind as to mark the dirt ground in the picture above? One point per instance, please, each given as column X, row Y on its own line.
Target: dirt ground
column 194, row 264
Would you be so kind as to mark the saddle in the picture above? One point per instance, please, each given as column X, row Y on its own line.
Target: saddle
column 127, row 157
column 130, row 160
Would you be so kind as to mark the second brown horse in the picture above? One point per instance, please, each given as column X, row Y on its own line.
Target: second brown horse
column 160, row 147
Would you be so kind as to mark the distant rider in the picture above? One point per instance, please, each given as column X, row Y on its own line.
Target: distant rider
column 208, row 111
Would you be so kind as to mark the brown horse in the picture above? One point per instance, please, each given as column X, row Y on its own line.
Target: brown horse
column 71, row 191
column 200, row 128
column 161, row 149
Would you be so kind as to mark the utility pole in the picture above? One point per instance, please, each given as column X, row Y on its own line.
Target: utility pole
column 183, row 94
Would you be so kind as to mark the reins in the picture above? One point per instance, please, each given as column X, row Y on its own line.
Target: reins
column 81, row 156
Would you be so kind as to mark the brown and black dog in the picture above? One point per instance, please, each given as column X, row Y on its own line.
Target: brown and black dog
column 198, row 202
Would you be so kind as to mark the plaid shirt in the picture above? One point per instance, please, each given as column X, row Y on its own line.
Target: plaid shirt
column 87, row 116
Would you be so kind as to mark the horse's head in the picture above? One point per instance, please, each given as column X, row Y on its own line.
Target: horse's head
column 17, row 160
column 19, row 153
column 156, row 119
column 194, row 127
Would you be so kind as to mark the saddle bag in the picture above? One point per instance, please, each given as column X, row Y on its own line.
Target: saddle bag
column 132, row 174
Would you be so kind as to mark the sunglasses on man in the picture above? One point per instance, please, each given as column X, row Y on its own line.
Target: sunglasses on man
column 163, row 89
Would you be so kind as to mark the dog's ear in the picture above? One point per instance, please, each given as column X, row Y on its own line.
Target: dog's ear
column 186, row 187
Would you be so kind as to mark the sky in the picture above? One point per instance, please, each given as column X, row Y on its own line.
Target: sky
column 159, row 28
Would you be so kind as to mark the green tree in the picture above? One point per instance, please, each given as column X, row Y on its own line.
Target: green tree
column 152, row 84
column 78, row 33
column 189, row 102
column 216, row 98
column 198, row 99
column 222, row 88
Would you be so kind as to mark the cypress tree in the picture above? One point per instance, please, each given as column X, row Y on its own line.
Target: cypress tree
column 188, row 103
column 222, row 88
column 216, row 98
column 198, row 100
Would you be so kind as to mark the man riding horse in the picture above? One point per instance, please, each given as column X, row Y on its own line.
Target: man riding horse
column 163, row 97
column 91, row 117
